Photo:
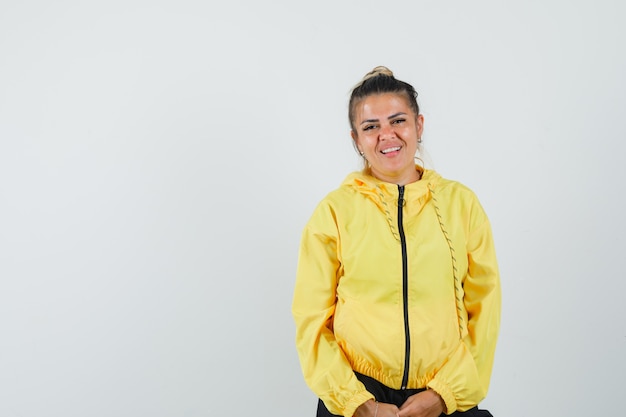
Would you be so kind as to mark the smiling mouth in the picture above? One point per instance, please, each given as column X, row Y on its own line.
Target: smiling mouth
column 386, row 151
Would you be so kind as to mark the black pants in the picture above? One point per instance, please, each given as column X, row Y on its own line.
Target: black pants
column 384, row 394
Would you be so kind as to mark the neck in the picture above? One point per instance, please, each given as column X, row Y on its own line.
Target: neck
column 402, row 179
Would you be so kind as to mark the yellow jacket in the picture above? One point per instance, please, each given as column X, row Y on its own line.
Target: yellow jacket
column 375, row 282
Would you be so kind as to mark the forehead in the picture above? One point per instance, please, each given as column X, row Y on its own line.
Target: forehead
column 383, row 105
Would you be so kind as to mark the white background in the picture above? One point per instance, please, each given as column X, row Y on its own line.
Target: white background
column 158, row 160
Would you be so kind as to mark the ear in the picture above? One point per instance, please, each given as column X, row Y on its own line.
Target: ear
column 419, row 122
column 355, row 138
column 353, row 134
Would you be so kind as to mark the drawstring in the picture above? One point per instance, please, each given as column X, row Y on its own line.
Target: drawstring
column 458, row 289
column 388, row 214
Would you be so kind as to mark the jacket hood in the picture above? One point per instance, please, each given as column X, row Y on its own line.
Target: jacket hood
column 378, row 190
column 385, row 195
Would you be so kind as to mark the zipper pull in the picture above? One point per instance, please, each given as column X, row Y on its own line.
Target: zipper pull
column 401, row 201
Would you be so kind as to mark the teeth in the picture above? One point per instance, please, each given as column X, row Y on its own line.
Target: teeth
column 397, row 148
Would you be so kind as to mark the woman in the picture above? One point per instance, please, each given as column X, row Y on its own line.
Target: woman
column 397, row 296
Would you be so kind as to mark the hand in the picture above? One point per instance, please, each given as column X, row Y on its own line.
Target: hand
column 368, row 409
column 423, row 404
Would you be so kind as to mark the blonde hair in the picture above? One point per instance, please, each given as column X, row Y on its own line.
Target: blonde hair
column 379, row 70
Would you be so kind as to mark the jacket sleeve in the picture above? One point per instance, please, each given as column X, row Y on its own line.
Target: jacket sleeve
column 463, row 380
column 326, row 370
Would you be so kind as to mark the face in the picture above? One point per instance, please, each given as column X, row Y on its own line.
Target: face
column 386, row 131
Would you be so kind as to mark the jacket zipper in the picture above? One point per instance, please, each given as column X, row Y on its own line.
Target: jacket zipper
column 405, row 289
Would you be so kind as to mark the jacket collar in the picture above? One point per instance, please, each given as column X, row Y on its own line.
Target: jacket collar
column 385, row 195
column 378, row 190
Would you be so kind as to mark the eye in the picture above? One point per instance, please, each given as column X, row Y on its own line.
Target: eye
column 397, row 121
column 368, row 127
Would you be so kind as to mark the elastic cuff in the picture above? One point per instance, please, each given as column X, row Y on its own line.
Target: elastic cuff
column 355, row 402
column 446, row 395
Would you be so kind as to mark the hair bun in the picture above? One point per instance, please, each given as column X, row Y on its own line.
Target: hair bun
column 380, row 70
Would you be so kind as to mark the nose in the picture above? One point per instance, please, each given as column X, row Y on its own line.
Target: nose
column 386, row 132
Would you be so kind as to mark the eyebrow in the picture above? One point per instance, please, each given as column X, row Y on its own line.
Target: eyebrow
column 388, row 118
